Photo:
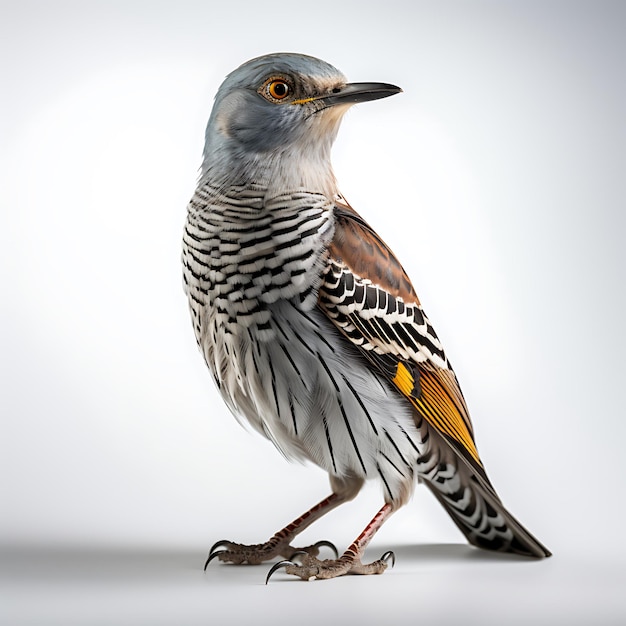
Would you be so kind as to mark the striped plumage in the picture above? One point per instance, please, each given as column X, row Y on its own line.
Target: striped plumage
column 309, row 324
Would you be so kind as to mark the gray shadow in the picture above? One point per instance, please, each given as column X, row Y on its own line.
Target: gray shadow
column 101, row 564
column 429, row 553
column 67, row 563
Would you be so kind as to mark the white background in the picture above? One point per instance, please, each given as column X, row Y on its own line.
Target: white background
column 498, row 179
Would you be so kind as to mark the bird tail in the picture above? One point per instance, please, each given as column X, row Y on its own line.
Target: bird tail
column 473, row 504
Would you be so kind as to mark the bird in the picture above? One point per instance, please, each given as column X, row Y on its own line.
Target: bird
column 311, row 328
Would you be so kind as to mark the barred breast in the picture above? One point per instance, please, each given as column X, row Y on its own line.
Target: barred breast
column 243, row 252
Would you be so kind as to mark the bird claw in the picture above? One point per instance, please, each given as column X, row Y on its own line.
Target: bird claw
column 389, row 556
column 327, row 544
column 214, row 552
column 212, row 555
column 224, row 543
column 280, row 565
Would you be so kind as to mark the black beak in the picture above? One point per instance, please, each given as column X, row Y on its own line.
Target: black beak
column 353, row 93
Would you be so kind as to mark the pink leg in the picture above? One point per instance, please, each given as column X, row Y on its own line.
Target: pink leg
column 354, row 553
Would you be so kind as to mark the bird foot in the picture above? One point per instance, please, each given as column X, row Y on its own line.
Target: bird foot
column 311, row 568
column 239, row 553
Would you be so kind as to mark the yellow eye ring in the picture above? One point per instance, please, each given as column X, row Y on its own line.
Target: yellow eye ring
column 278, row 89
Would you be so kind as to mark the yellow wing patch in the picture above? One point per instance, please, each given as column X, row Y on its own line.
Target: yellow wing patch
column 437, row 406
column 404, row 380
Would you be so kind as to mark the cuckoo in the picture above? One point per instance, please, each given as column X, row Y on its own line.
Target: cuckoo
column 310, row 326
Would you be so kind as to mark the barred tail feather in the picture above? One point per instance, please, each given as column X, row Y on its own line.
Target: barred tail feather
column 483, row 519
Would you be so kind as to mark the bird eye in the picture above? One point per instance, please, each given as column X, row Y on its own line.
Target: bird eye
column 277, row 89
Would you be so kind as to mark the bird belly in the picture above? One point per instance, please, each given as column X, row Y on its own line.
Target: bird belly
column 310, row 391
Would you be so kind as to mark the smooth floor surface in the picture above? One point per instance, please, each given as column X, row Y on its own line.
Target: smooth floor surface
column 430, row 584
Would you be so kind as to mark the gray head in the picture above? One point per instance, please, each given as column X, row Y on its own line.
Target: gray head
column 274, row 121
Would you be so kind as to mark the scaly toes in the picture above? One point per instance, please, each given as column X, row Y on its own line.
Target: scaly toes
column 314, row 550
column 237, row 553
column 311, row 568
column 376, row 567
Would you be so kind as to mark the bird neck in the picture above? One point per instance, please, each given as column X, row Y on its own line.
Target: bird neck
column 292, row 168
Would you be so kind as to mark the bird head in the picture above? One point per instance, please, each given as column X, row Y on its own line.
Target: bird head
column 275, row 119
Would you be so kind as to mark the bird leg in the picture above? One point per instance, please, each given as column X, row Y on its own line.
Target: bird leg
column 279, row 544
column 349, row 562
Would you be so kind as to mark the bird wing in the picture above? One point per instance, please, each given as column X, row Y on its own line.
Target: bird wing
column 366, row 293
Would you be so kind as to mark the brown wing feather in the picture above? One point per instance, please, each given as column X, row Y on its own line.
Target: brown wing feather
column 433, row 389
column 367, row 255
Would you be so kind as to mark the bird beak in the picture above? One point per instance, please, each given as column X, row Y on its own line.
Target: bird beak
column 353, row 93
